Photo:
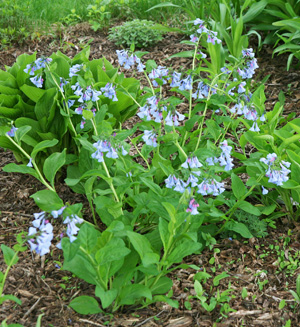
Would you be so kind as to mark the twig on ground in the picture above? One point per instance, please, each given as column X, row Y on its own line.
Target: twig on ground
column 143, row 322
column 91, row 322
column 32, row 308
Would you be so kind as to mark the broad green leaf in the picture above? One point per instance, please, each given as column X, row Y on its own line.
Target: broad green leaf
column 216, row 280
column 23, row 169
column 106, row 297
column 239, row 228
column 248, row 207
column 183, row 54
column 154, row 187
column 161, row 286
column 52, row 164
column 114, row 250
column 42, row 146
column 47, row 200
column 238, row 187
column 130, row 293
column 32, row 92
column 85, row 305
column 8, row 255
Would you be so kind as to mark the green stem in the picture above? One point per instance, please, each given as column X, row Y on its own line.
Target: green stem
column 132, row 98
column 152, row 89
column 139, row 152
column 6, row 272
column 96, row 266
column 287, row 201
column 41, row 178
column 110, row 182
column 64, row 102
column 181, row 149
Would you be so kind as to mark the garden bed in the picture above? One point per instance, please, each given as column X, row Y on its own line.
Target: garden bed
column 250, row 265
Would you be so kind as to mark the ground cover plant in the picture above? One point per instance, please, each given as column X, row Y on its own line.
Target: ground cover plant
column 188, row 165
column 200, row 202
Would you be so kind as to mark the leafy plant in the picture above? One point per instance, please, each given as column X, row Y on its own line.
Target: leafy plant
column 10, row 258
column 137, row 32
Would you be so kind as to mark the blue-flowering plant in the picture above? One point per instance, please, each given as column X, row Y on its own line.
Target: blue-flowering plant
column 165, row 187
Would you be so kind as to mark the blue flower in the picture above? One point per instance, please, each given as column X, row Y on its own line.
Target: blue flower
column 74, row 70
column 12, row 132
column 149, row 138
column 37, row 81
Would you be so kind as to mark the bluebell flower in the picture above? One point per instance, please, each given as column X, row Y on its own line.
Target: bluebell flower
column 37, row 81
column 158, row 72
column 74, row 70
column 41, row 237
column 175, row 79
column 277, row 171
column 56, row 213
column 12, row 132
column 70, row 103
column 212, row 38
column 192, row 163
column 193, row 207
column 241, row 88
column 72, row 229
column 171, row 181
column 264, row 191
column 211, row 186
column 62, row 83
column 30, row 163
column 186, row 84
column 180, row 186
column 194, row 38
column 149, row 138
column 109, row 91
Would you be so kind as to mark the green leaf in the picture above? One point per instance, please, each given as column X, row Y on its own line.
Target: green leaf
column 143, row 248
column 85, row 305
column 53, row 164
column 238, row 187
column 239, row 228
column 106, row 297
column 42, row 146
column 8, row 254
column 130, row 293
column 154, row 187
column 47, row 200
column 23, row 169
column 161, row 286
column 216, row 280
column 114, row 250
column 32, row 92
column 248, row 207
column 11, row 298
column 183, row 54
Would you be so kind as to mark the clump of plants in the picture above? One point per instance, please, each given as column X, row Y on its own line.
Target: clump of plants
column 165, row 188
column 138, row 32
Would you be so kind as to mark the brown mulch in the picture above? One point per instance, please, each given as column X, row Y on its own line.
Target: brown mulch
column 253, row 264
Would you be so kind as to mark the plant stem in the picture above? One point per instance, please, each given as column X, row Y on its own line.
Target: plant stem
column 139, row 152
column 110, row 182
column 41, row 178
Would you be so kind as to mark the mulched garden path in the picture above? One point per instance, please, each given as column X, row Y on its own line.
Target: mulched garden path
column 250, row 264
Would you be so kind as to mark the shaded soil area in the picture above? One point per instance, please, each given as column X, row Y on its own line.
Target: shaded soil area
column 259, row 272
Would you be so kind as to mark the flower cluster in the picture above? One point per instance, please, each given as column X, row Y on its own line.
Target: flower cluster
column 150, row 138
column 159, row 72
column 129, row 61
column 277, row 171
column 243, row 107
column 224, row 159
column 74, row 70
column 211, row 35
column 250, row 64
column 36, row 65
column 12, row 132
column 193, row 205
column 106, row 147
column 203, row 91
column 41, row 234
